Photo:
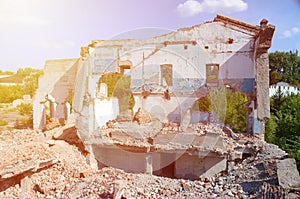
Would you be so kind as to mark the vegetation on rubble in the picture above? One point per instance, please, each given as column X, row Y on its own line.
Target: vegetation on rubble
column 283, row 127
column 228, row 105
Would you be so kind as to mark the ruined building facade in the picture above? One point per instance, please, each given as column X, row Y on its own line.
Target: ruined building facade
column 162, row 76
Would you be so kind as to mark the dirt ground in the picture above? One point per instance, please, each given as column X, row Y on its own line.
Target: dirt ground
column 11, row 117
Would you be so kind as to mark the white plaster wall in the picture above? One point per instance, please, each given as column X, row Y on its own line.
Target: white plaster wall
column 82, row 123
column 188, row 63
column 80, row 88
column 161, row 108
column 236, row 60
column 92, row 85
column 105, row 110
column 238, row 66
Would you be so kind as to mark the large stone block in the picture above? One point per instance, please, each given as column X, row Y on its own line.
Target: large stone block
column 288, row 175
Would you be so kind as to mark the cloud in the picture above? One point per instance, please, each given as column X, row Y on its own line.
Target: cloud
column 193, row 7
column 55, row 45
column 289, row 33
column 295, row 30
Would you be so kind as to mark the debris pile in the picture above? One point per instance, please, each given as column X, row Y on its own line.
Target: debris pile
column 51, row 124
column 142, row 116
column 33, row 166
column 54, row 164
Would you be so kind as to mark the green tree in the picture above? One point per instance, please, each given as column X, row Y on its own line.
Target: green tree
column 277, row 100
column 288, row 117
column 270, row 130
column 287, row 64
column 283, row 127
column 10, row 93
column 6, row 72
column 275, row 77
column 236, row 115
column 30, row 82
column 285, row 118
column 24, row 72
column 228, row 105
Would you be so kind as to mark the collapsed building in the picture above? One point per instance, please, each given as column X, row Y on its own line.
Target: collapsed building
column 132, row 99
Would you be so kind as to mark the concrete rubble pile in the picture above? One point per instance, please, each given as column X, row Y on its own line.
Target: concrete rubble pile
column 54, row 164
column 32, row 165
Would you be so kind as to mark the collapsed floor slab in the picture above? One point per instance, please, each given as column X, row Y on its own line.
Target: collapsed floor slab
column 203, row 151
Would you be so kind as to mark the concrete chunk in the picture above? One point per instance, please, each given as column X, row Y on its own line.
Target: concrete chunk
column 288, row 175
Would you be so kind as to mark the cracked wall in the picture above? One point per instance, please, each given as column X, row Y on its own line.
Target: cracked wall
column 228, row 43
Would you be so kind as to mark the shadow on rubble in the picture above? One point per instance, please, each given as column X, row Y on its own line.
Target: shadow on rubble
column 265, row 173
column 70, row 136
column 253, row 186
column 14, row 180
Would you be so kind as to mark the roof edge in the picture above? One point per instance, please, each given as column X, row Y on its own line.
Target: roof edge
column 237, row 23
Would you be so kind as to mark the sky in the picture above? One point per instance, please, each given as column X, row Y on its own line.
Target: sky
column 33, row 31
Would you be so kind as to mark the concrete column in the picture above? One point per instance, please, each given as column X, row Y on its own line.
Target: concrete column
column 262, row 69
column 91, row 160
column 148, row 164
column 262, row 85
column 67, row 110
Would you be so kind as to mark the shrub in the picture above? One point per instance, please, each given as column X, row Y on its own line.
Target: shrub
column 24, row 109
column 3, row 122
column 23, row 123
column 228, row 105
column 10, row 93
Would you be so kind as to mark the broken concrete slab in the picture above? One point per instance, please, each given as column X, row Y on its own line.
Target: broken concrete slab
column 288, row 175
column 142, row 116
column 22, row 157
